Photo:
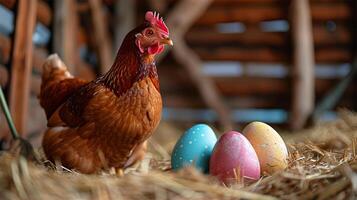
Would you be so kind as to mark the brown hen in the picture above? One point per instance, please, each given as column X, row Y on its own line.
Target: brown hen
column 105, row 123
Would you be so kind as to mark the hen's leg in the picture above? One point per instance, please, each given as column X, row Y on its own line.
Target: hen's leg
column 137, row 155
column 119, row 172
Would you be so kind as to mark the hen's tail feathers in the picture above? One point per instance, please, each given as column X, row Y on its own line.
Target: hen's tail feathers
column 54, row 70
column 57, row 84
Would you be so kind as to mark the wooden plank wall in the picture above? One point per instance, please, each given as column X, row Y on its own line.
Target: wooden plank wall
column 21, row 63
column 332, row 38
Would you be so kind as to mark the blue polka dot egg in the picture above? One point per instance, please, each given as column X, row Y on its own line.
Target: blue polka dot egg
column 194, row 148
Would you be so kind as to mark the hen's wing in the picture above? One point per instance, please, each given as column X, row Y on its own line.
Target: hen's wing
column 57, row 93
column 72, row 111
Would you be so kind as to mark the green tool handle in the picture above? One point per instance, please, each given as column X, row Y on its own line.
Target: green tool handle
column 4, row 107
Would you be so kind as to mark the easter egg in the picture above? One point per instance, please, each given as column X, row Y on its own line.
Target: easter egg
column 268, row 145
column 194, row 148
column 233, row 157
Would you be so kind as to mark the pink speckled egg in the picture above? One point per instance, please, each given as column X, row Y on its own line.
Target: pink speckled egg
column 233, row 158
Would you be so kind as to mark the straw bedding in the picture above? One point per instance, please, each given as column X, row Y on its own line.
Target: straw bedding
column 322, row 165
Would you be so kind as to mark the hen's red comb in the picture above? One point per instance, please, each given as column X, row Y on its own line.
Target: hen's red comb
column 155, row 20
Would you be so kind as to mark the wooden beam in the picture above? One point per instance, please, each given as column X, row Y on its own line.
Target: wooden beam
column 268, row 86
column 212, row 37
column 333, row 55
column 330, row 11
column 242, row 54
column 271, row 55
column 257, row 86
column 322, row 37
column 21, row 64
column 101, row 35
column 303, row 67
column 341, row 36
column 179, row 24
column 188, row 101
column 65, row 32
column 241, row 14
column 256, row 14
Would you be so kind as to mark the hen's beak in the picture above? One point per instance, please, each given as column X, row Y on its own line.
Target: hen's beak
column 167, row 41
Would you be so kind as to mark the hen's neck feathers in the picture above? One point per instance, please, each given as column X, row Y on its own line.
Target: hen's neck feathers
column 129, row 67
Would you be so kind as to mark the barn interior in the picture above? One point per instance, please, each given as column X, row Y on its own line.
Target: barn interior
column 289, row 63
column 248, row 57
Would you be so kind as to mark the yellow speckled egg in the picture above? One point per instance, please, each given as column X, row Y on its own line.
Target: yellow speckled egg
column 269, row 146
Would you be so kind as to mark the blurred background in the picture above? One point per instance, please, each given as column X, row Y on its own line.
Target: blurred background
column 285, row 62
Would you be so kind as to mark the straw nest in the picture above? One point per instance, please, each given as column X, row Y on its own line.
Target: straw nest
column 321, row 166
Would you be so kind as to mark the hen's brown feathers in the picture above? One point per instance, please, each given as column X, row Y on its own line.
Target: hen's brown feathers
column 110, row 125
column 71, row 112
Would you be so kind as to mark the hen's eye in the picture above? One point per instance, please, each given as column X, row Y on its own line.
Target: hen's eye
column 149, row 32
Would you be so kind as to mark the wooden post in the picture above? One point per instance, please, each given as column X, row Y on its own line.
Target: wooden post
column 21, row 65
column 65, row 32
column 303, row 61
column 125, row 20
column 101, row 35
column 179, row 24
